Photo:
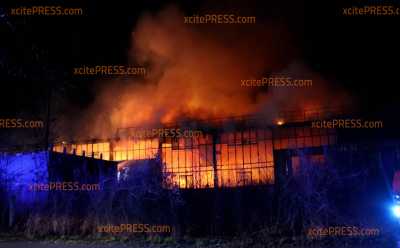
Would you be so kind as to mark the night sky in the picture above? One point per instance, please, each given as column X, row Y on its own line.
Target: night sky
column 359, row 53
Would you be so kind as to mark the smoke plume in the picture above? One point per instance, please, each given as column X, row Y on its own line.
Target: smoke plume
column 195, row 71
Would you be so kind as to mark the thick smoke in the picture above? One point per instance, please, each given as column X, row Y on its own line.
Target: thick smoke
column 195, row 71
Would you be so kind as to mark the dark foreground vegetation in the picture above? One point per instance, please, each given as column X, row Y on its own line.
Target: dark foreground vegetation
column 317, row 196
column 264, row 238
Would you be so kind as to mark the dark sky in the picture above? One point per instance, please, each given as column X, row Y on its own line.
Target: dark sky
column 359, row 53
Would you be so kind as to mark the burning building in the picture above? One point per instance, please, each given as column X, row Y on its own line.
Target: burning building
column 195, row 76
column 222, row 153
column 195, row 79
column 200, row 116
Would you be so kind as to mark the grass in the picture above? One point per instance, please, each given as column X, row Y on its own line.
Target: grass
column 258, row 240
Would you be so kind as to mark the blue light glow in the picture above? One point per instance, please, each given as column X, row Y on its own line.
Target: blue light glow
column 21, row 170
column 396, row 211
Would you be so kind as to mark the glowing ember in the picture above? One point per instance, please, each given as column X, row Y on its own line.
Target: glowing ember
column 280, row 122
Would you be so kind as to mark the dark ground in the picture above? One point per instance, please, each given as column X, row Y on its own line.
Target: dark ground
column 35, row 244
column 30, row 244
column 235, row 242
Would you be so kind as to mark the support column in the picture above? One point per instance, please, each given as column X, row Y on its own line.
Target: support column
column 214, row 152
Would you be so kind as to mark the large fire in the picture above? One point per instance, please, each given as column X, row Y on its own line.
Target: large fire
column 235, row 158
column 195, row 72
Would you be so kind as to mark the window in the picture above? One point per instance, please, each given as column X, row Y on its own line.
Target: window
column 244, row 178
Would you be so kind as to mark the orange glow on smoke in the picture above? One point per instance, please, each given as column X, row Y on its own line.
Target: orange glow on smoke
column 197, row 75
column 193, row 74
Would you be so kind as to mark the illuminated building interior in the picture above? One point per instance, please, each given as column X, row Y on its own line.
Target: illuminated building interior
column 242, row 156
